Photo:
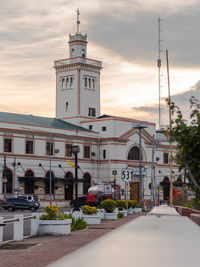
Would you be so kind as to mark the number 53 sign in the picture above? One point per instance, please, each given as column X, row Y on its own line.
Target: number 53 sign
column 127, row 175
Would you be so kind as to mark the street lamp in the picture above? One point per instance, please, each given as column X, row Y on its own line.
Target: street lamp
column 75, row 151
column 140, row 126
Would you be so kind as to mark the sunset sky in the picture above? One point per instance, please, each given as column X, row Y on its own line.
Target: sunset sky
column 123, row 34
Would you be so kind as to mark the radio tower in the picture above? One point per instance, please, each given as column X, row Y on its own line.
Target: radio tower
column 159, row 67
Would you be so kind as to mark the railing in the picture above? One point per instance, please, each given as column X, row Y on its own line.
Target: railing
column 18, row 226
column 78, row 60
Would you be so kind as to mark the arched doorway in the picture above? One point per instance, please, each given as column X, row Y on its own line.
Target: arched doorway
column 47, row 183
column 69, row 186
column 7, row 174
column 166, row 188
column 29, row 182
column 134, row 153
column 86, row 182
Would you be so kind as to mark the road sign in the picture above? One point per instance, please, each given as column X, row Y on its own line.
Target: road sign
column 127, row 175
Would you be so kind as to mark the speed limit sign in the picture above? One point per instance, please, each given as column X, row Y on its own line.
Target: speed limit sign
column 127, row 175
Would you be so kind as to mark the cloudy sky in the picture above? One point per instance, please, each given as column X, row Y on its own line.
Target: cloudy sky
column 123, row 34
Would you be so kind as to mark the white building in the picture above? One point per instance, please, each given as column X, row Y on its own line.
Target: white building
column 106, row 142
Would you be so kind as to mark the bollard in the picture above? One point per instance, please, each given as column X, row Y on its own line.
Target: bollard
column 18, row 228
column 35, row 224
column 1, row 230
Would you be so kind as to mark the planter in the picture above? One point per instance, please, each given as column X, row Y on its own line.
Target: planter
column 54, row 227
column 130, row 211
column 137, row 210
column 92, row 219
column 110, row 216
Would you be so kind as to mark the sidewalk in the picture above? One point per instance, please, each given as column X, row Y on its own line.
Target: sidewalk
column 49, row 248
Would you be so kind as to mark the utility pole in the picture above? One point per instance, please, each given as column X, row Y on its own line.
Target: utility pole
column 14, row 175
column 152, row 175
column 4, row 176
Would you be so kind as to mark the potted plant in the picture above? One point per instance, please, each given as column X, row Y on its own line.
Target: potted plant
column 122, row 206
column 109, row 206
column 53, row 223
column 91, row 215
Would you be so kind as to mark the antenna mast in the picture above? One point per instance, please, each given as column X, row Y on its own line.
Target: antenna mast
column 159, row 67
column 78, row 20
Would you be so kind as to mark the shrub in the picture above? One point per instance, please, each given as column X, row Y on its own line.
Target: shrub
column 130, row 203
column 120, row 215
column 78, row 224
column 121, row 204
column 63, row 216
column 52, row 211
column 135, row 204
column 108, row 205
column 89, row 210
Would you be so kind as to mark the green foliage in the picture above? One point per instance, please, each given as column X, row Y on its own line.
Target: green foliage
column 89, row 210
column 120, row 215
column 133, row 204
column 187, row 137
column 121, row 204
column 78, row 224
column 108, row 205
column 63, row 216
column 52, row 211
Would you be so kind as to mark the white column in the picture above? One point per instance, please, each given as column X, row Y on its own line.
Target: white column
column 35, row 224
column 18, row 228
column 1, row 230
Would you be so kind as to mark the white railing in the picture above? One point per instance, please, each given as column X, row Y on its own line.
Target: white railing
column 18, row 226
column 78, row 60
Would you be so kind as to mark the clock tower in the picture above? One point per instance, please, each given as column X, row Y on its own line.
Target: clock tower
column 77, row 82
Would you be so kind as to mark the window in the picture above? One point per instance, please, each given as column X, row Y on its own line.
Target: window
column 165, row 158
column 90, row 127
column 63, row 83
column 104, row 128
column 89, row 83
column 93, row 84
column 83, row 52
column 7, row 145
column 67, row 82
column 7, row 174
column 91, row 112
column 73, row 52
column 134, row 153
column 86, row 182
column 68, row 150
column 66, row 106
column 49, row 147
column 86, row 152
column 104, row 153
column 85, row 82
column 71, row 81
column 29, row 147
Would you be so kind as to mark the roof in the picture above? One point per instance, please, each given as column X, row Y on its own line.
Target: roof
column 39, row 121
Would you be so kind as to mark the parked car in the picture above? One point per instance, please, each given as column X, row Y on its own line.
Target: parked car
column 12, row 204
column 30, row 198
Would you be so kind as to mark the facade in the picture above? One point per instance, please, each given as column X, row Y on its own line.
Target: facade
column 33, row 148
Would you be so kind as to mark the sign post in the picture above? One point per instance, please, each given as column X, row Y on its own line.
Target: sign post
column 127, row 176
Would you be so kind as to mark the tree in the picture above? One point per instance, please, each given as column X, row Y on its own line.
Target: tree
column 187, row 136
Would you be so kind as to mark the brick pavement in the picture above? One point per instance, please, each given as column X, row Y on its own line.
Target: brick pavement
column 52, row 248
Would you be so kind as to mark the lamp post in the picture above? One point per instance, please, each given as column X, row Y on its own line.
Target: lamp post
column 140, row 126
column 75, row 151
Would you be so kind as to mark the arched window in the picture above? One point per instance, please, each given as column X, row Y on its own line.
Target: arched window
column 134, row 153
column 89, row 83
column 67, row 82
column 9, row 185
column 83, row 52
column 29, row 182
column 73, row 52
column 86, row 82
column 86, row 182
column 69, row 186
column 63, row 83
column 93, row 84
column 71, row 81
column 47, row 183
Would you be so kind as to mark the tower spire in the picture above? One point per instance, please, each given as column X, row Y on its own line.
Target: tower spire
column 78, row 20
